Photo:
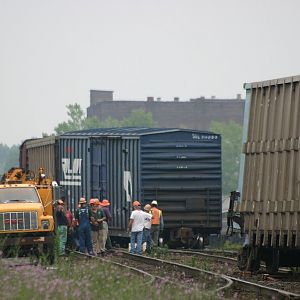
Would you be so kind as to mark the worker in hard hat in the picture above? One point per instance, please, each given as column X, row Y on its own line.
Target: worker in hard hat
column 105, row 204
column 62, row 226
column 70, row 236
column 157, row 223
column 41, row 176
column 102, row 233
column 97, row 218
column 83, row 216
column 147, row 228
column 135, row 227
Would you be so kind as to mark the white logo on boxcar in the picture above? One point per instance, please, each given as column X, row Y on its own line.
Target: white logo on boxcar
column 71, row 171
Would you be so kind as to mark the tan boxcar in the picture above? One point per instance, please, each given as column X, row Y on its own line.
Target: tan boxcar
column 270, row 198
column 36, row 153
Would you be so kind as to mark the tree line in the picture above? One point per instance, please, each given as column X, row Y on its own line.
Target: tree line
column 78, row 120
column 231, row 133
column 9, row 157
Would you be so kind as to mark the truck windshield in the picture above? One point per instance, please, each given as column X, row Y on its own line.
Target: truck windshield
column 10, row 195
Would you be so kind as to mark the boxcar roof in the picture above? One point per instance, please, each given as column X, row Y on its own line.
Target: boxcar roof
column 128, row 131
column 271, row 82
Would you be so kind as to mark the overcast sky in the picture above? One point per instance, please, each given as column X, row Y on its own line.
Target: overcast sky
column 53, row 52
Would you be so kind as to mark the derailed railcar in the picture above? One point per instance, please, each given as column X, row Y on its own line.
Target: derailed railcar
column 181, row 169
column 270, row 203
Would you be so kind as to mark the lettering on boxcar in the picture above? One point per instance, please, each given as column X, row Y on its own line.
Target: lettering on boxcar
column 71, row 171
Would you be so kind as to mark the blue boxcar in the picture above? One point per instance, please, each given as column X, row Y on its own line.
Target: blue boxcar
column 179, row 168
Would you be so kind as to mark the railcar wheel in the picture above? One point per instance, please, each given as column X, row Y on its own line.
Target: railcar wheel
column 248, row 259
column 242, row 259
column 272, row 263
column 254, row 260
column 197, row 242
column 254, row 265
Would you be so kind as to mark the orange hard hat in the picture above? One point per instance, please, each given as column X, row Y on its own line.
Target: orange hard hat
column 105, row 202
column 136, row 203
column 97, row 202
column 92, row 201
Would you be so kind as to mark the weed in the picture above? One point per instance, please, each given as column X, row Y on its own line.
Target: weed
column 231, row 246
column 159, row 252
column 193, row 261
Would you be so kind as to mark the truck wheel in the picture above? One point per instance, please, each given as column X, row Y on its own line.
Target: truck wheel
column 49, row 254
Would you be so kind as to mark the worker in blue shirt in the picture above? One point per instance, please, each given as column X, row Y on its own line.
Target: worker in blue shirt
column 83, row 217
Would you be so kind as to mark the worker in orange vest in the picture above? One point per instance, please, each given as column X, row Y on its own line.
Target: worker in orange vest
column 157, row 223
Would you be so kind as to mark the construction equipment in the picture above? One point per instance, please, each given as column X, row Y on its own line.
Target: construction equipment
column 26, row 212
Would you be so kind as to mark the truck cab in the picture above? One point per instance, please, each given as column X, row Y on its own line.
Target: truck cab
column 26, row 214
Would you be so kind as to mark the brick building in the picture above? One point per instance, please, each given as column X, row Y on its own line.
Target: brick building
column 195, row 113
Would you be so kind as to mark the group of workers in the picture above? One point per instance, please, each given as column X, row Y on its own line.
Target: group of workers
column 87, row 231
column 145, row 226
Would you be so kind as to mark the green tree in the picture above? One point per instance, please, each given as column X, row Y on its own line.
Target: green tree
column 12, row 159
column 91, row 122
column 4, row 152
column 110, row 123
column 77, row 120
column 139, row 118
column 231, row 133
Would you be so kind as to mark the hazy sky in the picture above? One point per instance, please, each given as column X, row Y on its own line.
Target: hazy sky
column 53, row 52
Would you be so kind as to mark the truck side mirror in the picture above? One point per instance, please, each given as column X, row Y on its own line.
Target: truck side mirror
column 56, row 193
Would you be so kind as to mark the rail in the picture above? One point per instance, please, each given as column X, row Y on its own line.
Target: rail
column 240, row 283
column 191, row 271
column 135, row 270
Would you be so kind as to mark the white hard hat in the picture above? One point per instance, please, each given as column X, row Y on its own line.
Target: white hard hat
column 154, row 202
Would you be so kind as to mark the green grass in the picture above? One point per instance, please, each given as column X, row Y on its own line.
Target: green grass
column 229, row 246
column 202, row 263
column 86, row 279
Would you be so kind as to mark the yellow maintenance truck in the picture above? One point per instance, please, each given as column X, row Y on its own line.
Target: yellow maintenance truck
column 26, row 213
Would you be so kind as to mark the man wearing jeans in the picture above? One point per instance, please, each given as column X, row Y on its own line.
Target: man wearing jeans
column 136, row 226
column 147, row 229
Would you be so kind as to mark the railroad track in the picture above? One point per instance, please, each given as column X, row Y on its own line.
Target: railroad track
column 150, row 277
column 238, row 282
column 231, row 286
column 15, row 262
column 187, row 275
column 170, row 273
column 225, row 255
column 180, row 274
